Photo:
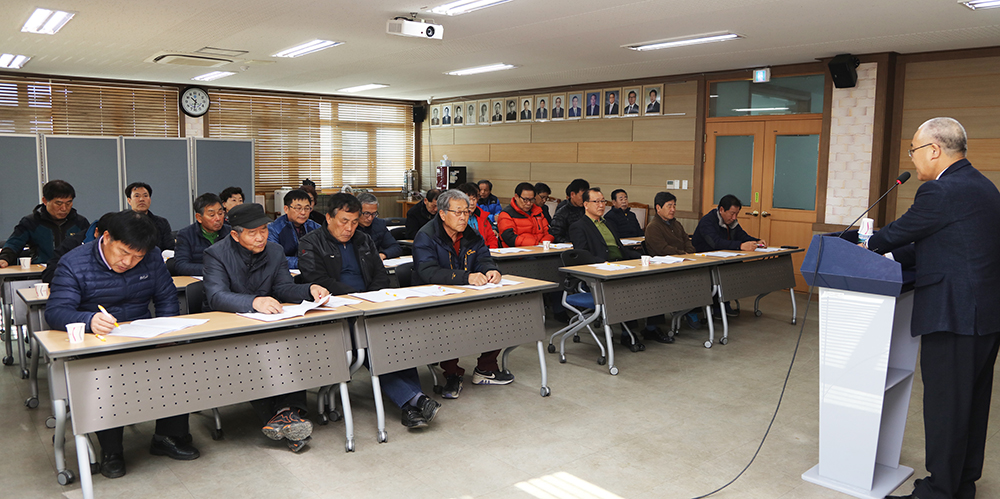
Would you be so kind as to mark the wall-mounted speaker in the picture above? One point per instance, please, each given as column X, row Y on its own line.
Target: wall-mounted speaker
column 419, row 113
column 843, row 70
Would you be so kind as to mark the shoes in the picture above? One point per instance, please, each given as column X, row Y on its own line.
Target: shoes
column 491, row 377
column 113, row 465
column 297, row 445
column 692, row 320
column 452, row 387
column 626, row 341
column 911, row 496
column 173, row 447
column 428, row 407
column 287, row 424
column 657, row 335
column 412, row 417
column 730, row 312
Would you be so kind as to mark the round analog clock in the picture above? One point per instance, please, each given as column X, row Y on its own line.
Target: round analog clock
column 194, row 101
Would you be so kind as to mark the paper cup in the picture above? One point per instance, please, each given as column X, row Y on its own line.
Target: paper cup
column 546, row 245
column 646, row 259
column 25, row 262
column 42, row 289
column 75, row 331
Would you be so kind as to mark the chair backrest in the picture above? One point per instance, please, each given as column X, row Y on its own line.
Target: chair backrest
column 641, row 211
column 194, row 293
column 395, row 221
column 404, row 274
column 398, row 233
column 577, row 257
column 171, row 266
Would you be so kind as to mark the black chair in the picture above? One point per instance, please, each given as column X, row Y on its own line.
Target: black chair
column 172, row 266
column 398, row 233
column 395, row 221
column 404, row 275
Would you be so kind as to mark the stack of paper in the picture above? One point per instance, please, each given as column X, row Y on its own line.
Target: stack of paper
column 504, row 251
column 631, row 242
column 667, row 259
column 393, row 294
column 286, row 312
column 611, row 266
column 395, row 262
column 149, row 328
column 503, row 282
column 558, row 245
column 720, row 254
column 335, row 302
column 768, row 250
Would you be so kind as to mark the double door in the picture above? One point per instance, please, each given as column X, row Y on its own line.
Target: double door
column 771, row 166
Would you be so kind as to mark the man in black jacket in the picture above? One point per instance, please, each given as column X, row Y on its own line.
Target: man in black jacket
column 719, row 229
column 245, row 273
column 421, row 213
column 140, row 196
column 46, row 227
column 344, row 260
column 375, row 227
column 569, row 210
column 70, row 243
column 592, row 234
column 621, row 217
column 209, row 228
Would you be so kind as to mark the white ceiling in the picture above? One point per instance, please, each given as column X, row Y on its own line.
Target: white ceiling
column 555, row 42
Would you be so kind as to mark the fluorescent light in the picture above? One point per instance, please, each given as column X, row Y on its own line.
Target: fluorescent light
column 214, row 75
column 362, row 88
column 981, row 4
column 481, row 69
column 752, row 109
column 307, row 48
column 465, row 6
column 11, row 61
column 47, row 22
column 682, row 41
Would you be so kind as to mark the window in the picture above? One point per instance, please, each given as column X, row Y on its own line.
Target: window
column 331, row 141
column 57, row 108
column 783, row 95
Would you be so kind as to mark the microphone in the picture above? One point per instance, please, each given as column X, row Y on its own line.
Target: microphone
column 903, row 177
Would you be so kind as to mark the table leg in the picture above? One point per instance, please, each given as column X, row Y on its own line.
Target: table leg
column 83, row 460
column 383, row 436
column 59, row 440
column 345, row 400
column 33, row 401
column 611, row 347
column 711, row 327
column 6, row 302
column 795, row 312
column 545, row 375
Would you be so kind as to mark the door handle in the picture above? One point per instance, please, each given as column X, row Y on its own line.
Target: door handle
column 753, row 213
column 765, row 214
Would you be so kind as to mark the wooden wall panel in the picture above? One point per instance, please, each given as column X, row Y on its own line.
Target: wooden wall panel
column 677, row 152
column 499, row 134
column 528, row 153
column 518, row 172
column 563, row 173
column 979, row 123
column 663, row 129
column 584, row 131
column 439, row 136
column 950, row 93
column 680, row 98
column 954, row 68
column 456, row 153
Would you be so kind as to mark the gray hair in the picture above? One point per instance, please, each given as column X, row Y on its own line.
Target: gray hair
column 947, row 133
column 367, row 198
column 445, row 198
column 239, row 229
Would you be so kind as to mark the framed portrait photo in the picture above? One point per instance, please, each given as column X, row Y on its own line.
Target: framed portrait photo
column 542, row 103
column 496, row 113
column 458, row 114
column 574, row 106
column 446, row 117
column 470, row 113
column 526, row 108
column 631, row 101
column 483, row 108
column 651, row 99
column 592, row 104
column 435, row 116
column 557, row 107
column 510, row 110
column 612, row 107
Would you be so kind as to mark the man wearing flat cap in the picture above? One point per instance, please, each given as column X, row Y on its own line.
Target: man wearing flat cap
column 246, row 273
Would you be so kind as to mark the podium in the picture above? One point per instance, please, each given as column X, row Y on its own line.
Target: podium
column 867, row 358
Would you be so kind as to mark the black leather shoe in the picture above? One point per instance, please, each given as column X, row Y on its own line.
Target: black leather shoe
column 113, row 465
column 428, row 407
column 657, row 335
column 173, row 447
column 412, row 417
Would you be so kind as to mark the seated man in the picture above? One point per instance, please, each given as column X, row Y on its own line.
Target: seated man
column 295, row 223
column 542, row 193
column 489, row 203
column 620, row 216
column 421, row 213
column 46, row 227
column 246, row 272
column 569, row 211
column 592, row 234
column 209, row 227
column 140, row 196
column 448, row 251
column 122, row 271
column 72, row 242
column 344, row 260
column 375, row 227
column 479, row 219
column 719, row 229
column 666, row 236
column 521, row 222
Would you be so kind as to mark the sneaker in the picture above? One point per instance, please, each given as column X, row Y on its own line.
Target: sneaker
column 491, row 377
column 452, row 387
column 412, row 417
column 287, row 424
column 692, row 320
column 656, row 334
column 297, row 445
column 428, row 407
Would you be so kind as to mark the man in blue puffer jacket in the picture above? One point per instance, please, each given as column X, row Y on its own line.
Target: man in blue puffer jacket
column 295, row 223
column 122, row 271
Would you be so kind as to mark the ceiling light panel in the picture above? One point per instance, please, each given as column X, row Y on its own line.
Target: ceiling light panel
column 46, row 21
column 465, row 6
column 981, row 4
column 307, row 48
column 12, row 61
column 214, row 75
column 683, row 41
column 362, row 88
column 481, row 69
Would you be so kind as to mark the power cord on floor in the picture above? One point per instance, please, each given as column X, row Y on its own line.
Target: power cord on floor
column 795, row 352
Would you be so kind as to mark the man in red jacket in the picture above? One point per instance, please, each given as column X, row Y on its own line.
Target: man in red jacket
column 522, row 222
column 480, row 219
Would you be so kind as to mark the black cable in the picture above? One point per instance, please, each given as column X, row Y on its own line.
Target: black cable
column 795, row 352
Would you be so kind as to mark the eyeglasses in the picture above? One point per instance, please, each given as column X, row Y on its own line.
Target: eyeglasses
column 300, row 209
column 599, row 201
column 367, row 214
column 911, row 151
column 527, row 200
column 460, row 213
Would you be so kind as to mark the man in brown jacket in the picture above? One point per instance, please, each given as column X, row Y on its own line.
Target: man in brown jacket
column 664, row 235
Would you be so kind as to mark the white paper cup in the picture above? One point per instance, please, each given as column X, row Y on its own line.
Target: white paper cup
column 546, row 245
column 25, row 262
column 75, row 331
column 646, row 259
column 42, row 289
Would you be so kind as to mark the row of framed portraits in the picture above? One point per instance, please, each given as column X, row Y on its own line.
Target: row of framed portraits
column 607, row 103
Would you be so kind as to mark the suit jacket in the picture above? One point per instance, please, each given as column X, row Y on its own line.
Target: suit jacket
column 435, row 121
column 526, row 114
column 446, row 120
column 612, row 109
column 497, row 117
column 955, row 232
column 585, row 235
column 593, row 111
column 632, row 109
column 542, row 114
column 574, row 112
column 653, row 107
column 458, row 120
column 511, row 116
column 557, row 112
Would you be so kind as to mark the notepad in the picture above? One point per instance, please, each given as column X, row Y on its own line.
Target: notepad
column 720, row 254
column 611, row 266
column 489, row 285
column 150, row 328
column 667, row 259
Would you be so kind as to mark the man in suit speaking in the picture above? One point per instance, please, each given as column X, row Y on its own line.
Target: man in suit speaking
column 955, row 233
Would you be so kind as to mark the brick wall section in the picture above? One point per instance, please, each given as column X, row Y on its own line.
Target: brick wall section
column 851, row 124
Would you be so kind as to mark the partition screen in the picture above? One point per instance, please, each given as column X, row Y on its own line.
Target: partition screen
column 224, row 163
column 90, row 164
column 163, row 164
column 19, row 191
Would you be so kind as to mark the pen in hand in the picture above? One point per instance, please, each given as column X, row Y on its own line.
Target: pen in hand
column 106, row 314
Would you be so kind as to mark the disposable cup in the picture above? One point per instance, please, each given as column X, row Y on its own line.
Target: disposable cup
column 75, row 330
column 546, row 245
column 42, row 289
column 25, row 262
column 646, row 259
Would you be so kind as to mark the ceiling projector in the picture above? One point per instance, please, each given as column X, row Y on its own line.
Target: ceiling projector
column 407, row 27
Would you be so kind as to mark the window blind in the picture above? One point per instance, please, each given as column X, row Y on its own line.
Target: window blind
column 57, row 108
column 333, row 142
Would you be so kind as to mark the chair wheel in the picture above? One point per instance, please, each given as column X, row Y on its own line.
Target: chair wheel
column 50, row 422
column 8, row 361
column 552, row 348
column 31, row 403
column 545, row 391
column 642, row 347
column 333, row 415
column 562, row 359
column 794, row 321
column 614, row 371
column 438, row 389
column 383, row 437
column 708, row 344
column 758, row 313
column 602, row 360
column 323, row 419
column 217, row 434
column 724, row 340
column 65, row 477
column 24, row 374
column 576, row 338
column 350, row 446
column 95, row 468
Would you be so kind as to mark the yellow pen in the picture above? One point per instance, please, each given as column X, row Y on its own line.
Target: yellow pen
column 109, row 316
column 100, row 337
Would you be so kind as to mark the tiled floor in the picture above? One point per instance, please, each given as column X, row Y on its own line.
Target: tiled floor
column 679, row 421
